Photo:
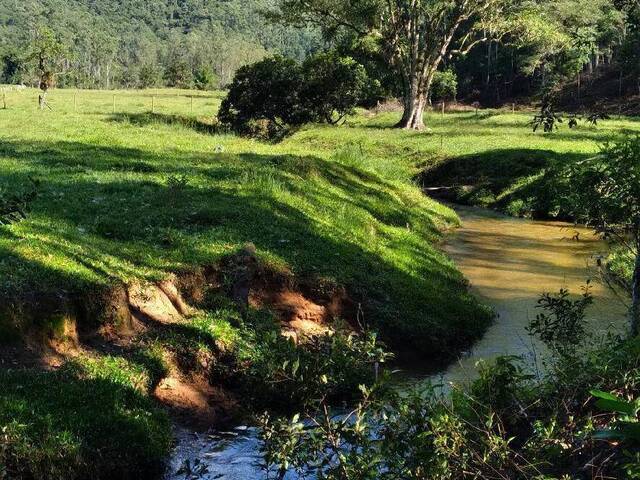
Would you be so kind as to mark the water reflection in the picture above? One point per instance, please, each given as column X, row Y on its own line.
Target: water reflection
column 510, row 262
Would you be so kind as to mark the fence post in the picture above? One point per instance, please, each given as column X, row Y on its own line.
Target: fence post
column 4, row 100
column 442, row 108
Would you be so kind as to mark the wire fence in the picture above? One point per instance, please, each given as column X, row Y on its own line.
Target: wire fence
column 101, row 102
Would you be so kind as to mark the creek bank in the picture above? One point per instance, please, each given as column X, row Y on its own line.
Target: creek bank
column 62, row 325
column 509, row 262
column 179, row 341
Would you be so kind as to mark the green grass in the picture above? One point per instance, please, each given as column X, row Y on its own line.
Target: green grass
column 132, row 195
column 135, row 195
column 91, row 419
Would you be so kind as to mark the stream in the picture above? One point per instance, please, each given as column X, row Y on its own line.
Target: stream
column 509, row 263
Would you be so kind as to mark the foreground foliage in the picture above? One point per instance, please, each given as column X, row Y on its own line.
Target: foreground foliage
column 508, row 423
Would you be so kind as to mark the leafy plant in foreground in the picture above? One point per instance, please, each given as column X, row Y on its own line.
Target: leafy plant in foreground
column 562, row 324
column 506, row 424
column 605, row 193
column 627, row 424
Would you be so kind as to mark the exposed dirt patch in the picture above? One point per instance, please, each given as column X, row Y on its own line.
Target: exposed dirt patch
column 152, row 302
column 195, row 402
column 58, row 327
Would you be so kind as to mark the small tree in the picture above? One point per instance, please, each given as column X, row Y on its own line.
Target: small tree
column 445, row 85
column 205, row 78
column 266, row 92
column 333, row 86
column 605, row 193
column 46, row 52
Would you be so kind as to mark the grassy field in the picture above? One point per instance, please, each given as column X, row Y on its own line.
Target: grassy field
column 137, row 185
column 138, row 195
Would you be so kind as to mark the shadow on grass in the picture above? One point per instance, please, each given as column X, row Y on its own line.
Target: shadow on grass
column 98, row 221
column 535, row 179
column 206, row 125
column 70, row 424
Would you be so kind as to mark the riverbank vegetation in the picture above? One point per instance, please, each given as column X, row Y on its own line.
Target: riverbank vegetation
column 577, row 419
column 328, row 208
column 197, row 256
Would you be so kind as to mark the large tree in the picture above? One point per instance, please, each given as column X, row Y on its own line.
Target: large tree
column 415, row 36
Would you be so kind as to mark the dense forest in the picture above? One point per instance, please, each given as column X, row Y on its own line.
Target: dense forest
column 134, row 44
column 533, row 49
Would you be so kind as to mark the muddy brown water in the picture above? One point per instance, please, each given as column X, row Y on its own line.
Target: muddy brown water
column 509, row 263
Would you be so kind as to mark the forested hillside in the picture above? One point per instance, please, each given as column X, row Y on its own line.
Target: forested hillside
column 144, row 43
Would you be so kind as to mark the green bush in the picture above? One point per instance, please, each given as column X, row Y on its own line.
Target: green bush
column 283, row 375
column 273, row 96
column 267, row 91
column 445, row 85
column 204, row 78
column 333, row 86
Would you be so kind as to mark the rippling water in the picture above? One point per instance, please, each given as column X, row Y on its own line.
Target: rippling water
column 509, row 262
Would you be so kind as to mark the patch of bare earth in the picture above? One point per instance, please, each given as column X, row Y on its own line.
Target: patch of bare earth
column 303, row 309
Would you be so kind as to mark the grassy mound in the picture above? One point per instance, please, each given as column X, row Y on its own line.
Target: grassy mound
column 133, row 196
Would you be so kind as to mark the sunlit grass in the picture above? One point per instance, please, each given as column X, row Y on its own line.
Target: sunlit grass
column 146, row 188
column 327, row 202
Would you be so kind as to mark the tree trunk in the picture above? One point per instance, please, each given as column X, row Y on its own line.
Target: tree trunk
column 413, row 115
column 635, row 304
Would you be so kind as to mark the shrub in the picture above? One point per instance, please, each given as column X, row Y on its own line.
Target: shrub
column 562, row 325
column 284, row 375
column 445, row 85
column 273, row 96
column 269, row 91
column 333, row 86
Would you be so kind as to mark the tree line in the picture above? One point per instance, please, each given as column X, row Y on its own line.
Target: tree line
column 140, row 44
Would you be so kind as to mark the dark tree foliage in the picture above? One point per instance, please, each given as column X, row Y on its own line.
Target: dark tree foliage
column 333, row 86
column 269, row 98
column 264, row 99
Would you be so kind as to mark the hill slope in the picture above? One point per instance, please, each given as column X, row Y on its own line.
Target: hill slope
column 144, row 43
